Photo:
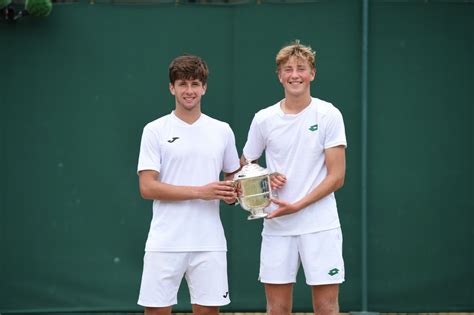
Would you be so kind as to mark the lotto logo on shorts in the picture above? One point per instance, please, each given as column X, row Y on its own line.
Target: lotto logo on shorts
column 333, row 272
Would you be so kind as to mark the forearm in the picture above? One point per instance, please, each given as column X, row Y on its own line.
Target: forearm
column 336, row 169
column 329, row 185
column 161, row 191
column 152, row 188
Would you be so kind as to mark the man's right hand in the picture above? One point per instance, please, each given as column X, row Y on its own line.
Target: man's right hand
column 222, row 190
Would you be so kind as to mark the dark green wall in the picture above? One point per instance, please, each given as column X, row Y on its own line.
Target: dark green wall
column 421, row 151
column 78, row 87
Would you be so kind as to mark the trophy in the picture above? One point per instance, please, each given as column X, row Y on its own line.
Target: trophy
column 254, row 192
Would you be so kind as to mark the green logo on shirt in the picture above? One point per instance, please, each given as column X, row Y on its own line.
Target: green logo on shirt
column 333, row 272
column 313, row 127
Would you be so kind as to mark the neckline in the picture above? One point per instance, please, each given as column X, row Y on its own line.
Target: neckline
column 283, row 114
column 183, row 123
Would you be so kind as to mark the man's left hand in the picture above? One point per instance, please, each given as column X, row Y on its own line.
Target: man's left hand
column 284, row 208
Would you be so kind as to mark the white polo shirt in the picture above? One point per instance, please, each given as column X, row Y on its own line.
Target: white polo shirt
column 294, row 145
column 188, row 155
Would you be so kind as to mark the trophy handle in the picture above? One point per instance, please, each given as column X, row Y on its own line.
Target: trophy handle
column 237, row 200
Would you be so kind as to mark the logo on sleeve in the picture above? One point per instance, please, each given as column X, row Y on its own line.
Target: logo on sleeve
column 173, row 139
column 333, row 272
column 225, row 295
column 313, row 127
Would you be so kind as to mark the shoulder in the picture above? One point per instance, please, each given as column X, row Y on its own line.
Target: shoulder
column 324, row 108
column 157, row 123
column 210, row 122
column 267, row 113
column 154, row 128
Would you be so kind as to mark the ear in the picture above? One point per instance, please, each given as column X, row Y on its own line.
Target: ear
column 313, row 74
column 204, row 87
column 171, row 87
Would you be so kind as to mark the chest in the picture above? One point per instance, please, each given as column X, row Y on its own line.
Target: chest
column 191, row 143
column 301, row 136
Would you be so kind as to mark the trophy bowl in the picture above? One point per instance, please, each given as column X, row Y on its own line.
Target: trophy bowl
column 254, row 192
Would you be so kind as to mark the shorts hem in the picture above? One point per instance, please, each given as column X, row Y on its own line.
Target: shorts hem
column 146, row 304
column 325, row 282
column 207, row 303
column 277, row 281
column 185, row 250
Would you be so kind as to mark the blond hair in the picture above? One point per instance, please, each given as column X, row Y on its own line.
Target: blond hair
column 298, row 50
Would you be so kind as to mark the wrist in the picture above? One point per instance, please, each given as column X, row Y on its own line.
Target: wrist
column 196, row 192
column 297, row 206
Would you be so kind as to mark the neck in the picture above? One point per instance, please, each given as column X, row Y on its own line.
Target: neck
column 295, row 104
column 188, row 116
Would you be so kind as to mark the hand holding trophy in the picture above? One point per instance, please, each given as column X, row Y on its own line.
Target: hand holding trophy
column 254, row 191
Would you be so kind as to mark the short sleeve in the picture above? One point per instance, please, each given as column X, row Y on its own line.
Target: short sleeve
column 335, row 133
column 231, row 162
column 150, row 154
column 255, row 144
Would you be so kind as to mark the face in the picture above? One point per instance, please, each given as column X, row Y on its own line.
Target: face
column 188, row 93
column 296, row 75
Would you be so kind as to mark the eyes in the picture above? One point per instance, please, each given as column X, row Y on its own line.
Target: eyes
column 193, row 84
column 186, row 83
column 298, row 69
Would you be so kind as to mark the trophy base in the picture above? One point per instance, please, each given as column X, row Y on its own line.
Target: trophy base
column 259, row 215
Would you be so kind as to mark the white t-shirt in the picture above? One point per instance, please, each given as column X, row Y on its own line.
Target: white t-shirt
column 187, row 155
column 294, row 146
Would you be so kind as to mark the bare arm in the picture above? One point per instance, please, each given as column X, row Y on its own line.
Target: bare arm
column 243, row 161
column 153, row 189
column 336, row 169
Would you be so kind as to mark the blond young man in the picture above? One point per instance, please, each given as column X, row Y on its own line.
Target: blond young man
column 304, row 138
column 181, row 157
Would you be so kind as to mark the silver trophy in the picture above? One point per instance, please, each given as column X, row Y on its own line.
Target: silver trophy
column 254, row 191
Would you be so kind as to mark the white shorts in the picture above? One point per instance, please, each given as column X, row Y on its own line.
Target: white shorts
column 320, row 253
column 205, row 273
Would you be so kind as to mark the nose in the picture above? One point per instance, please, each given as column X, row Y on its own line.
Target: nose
column 294, row 73
column 188, row 89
